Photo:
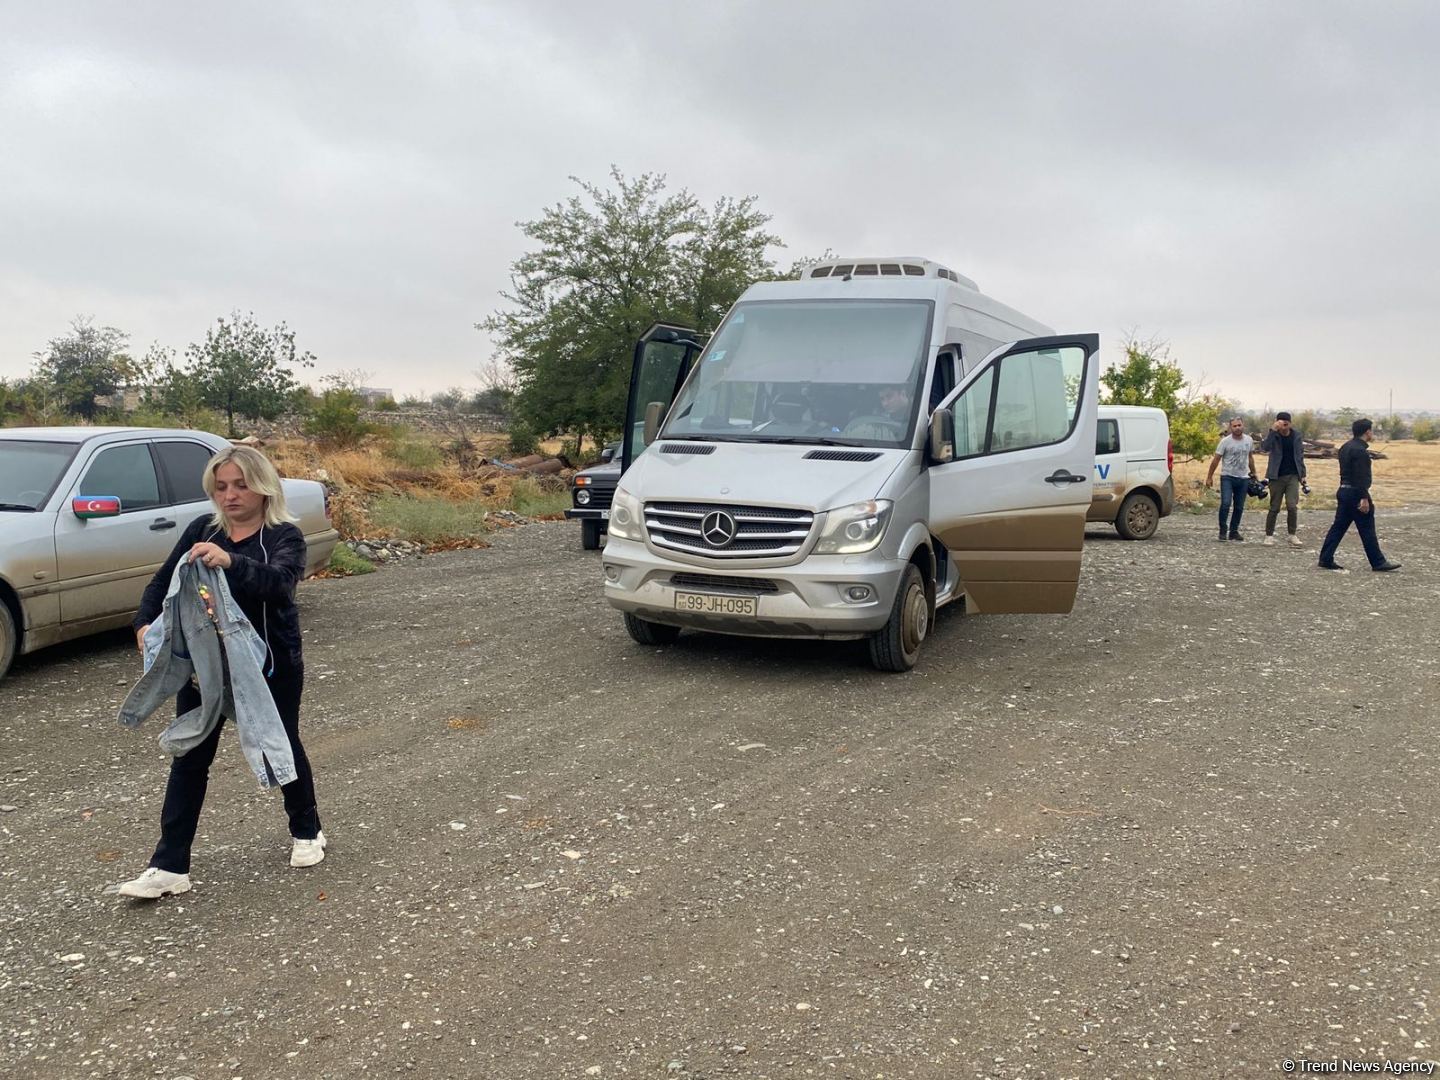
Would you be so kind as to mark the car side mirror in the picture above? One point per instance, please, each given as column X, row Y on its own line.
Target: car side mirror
column 607, row 455
column 942, row 436
column 654, row 413
column 86, row 507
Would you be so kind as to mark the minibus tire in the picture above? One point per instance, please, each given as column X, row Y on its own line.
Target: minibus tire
column 650, row 633
column 897, row 647
column 590, row 535
column 1139, row 517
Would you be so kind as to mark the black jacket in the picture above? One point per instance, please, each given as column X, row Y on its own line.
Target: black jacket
column 1274, row 445
column 1355, row 466
column 264, row 570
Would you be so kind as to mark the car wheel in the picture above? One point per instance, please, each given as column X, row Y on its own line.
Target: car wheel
column 897, row 647
column 9, row 639
column 649, row 633
column 590, row 535
column 1139, row 517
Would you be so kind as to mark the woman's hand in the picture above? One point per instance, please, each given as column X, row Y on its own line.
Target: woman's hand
column 212, row 555
column 140, row 638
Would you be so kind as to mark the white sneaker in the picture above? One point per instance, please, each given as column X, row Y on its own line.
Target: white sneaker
column 155, row 883
column 1269, row 541
column 1295, row 541
column 308, row 852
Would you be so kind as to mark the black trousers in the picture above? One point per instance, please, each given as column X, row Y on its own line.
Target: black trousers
column 190, row 776
column 1347, row 511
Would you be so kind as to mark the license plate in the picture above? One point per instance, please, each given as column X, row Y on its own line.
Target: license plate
column 604, row 515
column 712, row 604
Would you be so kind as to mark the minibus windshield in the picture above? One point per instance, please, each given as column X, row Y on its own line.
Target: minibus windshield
column 831, row 372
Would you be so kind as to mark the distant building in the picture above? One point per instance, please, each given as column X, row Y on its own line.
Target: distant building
column 374, row 395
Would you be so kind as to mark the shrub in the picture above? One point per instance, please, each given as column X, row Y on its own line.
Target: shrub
column 523, row 439
column 414, row 453
column 535, row 497
column 336, row 420
column 345, row 562
column 428, row 520
column 1425, row 430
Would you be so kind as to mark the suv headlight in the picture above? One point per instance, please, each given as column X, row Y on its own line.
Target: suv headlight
column 852, row 529
column 626, row 516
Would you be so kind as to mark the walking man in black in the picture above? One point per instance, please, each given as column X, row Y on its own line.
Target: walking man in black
column 1353, row 503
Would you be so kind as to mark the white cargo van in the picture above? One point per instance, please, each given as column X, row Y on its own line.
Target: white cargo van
column 1134, row 461
column 850, row 452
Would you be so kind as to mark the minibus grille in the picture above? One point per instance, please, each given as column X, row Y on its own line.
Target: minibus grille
column 711, row 583
column 725, row 531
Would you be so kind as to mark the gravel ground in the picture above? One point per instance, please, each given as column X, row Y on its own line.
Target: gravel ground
column 1191, row 826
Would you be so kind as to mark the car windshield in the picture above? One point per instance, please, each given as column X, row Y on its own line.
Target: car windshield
column 29, row 472
column 821, row 371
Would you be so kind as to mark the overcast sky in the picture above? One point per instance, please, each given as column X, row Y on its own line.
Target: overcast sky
column 1256, row 183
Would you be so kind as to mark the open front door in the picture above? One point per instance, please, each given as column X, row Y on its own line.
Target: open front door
column 1010, row 506
column 663, row 357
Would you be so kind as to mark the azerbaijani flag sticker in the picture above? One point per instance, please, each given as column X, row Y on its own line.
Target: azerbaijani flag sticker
column 94, row 506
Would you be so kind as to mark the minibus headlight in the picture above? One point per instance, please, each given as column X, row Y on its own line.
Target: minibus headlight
column 850, row 530
column 625, row 515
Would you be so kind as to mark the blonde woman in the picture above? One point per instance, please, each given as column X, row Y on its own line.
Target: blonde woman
column 254, row 540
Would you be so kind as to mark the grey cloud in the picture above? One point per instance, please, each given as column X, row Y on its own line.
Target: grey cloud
column 1253, row 181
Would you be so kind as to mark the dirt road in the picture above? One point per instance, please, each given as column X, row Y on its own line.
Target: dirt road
column 1190, row 827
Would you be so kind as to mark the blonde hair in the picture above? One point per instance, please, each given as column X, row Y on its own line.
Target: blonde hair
column 259, row 476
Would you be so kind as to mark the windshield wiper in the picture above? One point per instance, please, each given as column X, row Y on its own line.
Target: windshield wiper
column 17, row 506
column 690, row 438
column 810, row 440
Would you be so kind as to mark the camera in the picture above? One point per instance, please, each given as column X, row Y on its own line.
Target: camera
column 1305, row 487
column 1258, row 489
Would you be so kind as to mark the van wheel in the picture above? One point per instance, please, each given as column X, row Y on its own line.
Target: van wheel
column 650, row 633
column 9, row 639
column 897, row 647
column 1139, row 517
column 590, row 535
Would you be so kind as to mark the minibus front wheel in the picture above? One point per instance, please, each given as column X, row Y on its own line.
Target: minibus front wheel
column 897, row 646
column 650, row 633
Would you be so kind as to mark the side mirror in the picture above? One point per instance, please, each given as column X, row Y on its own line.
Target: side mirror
column 86, row 507
column 654, row 413
column 607, row 455
column 942, row 436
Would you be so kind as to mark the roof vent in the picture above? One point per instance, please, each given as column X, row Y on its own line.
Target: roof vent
column 901, row 266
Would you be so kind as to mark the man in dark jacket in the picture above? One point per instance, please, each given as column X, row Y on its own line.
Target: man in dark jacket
column 1353, row 503
column 1286, row 472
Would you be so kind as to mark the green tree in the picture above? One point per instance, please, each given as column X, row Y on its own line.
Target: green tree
column 27, row 401
column 1394, row 427
column 88, row 362
column 1425, row 430
column 1347, row 416
column 242, row 369
column 1310, row 423
column 608, row 263
column 1149, row 377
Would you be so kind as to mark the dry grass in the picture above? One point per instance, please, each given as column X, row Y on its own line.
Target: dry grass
column 1409, row 476
column 378, row 492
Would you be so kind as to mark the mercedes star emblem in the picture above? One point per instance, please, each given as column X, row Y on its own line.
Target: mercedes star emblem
column 718, row 528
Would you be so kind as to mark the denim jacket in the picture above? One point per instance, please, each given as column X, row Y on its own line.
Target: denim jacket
column 202, row 632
